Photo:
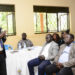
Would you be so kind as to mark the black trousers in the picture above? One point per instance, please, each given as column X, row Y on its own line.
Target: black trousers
column 2, row 65
column 50, row 69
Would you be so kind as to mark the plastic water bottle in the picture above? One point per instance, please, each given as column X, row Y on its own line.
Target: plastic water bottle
column 24, row 45
column 19, row 46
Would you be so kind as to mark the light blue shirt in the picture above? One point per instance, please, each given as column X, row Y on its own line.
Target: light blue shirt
column 65, row 55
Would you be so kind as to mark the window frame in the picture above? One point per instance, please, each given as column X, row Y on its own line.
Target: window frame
column 9, row 8
column 37, row 9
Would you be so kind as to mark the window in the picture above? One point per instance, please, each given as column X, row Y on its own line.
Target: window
column 51, row 19
column 7, row 19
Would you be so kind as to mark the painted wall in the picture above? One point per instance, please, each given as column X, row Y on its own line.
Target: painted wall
column 24, row 18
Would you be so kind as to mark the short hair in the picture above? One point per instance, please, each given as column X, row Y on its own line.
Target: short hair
column 71, row 36
column 24, row 34
column 67, row 31
column 62, row 32
column 50, row 36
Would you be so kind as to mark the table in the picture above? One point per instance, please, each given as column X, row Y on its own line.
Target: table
column 16, row 61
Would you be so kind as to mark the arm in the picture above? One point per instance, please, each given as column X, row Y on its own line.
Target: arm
column 71, row 62
column 2, row 34
column 59, row 53
column 30, row 42
column 42, row 49
column 54, row 50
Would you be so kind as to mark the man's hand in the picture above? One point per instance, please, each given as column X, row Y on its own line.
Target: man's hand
column 42, row 57
column 3, row 34
column 59, row 65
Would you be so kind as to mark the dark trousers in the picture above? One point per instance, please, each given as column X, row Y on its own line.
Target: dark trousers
column 2, row 65
column 50, row 69
column 37, row 62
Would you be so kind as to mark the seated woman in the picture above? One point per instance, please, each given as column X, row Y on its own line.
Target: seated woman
column 56, row 38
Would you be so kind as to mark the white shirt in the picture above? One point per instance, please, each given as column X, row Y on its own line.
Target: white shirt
column 45, row 51
column 65, row 55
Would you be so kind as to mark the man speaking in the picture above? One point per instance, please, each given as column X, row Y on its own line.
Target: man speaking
column 2, row 53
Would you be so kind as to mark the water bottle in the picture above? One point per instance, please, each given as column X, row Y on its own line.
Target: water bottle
column 24, row 45
column 19, row 46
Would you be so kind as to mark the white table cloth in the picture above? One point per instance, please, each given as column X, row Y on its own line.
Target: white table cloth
column 17, row 60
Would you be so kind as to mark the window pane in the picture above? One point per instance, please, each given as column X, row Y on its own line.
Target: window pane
column 52, row 22
column 35, row 20
column 10, row 23
column 3, row 20
column 7, row 22
column 62, row 21
column 40, row 22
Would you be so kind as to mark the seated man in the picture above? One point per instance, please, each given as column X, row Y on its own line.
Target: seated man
column 62, row 37
column 24, row 42
column 64, row 62
column 46, row 56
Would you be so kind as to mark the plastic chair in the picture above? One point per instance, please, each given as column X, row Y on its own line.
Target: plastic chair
column 8, row 47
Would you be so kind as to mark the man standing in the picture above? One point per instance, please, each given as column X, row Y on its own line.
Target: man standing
column 2, row 55
column 46, row 56
column 64, row 62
